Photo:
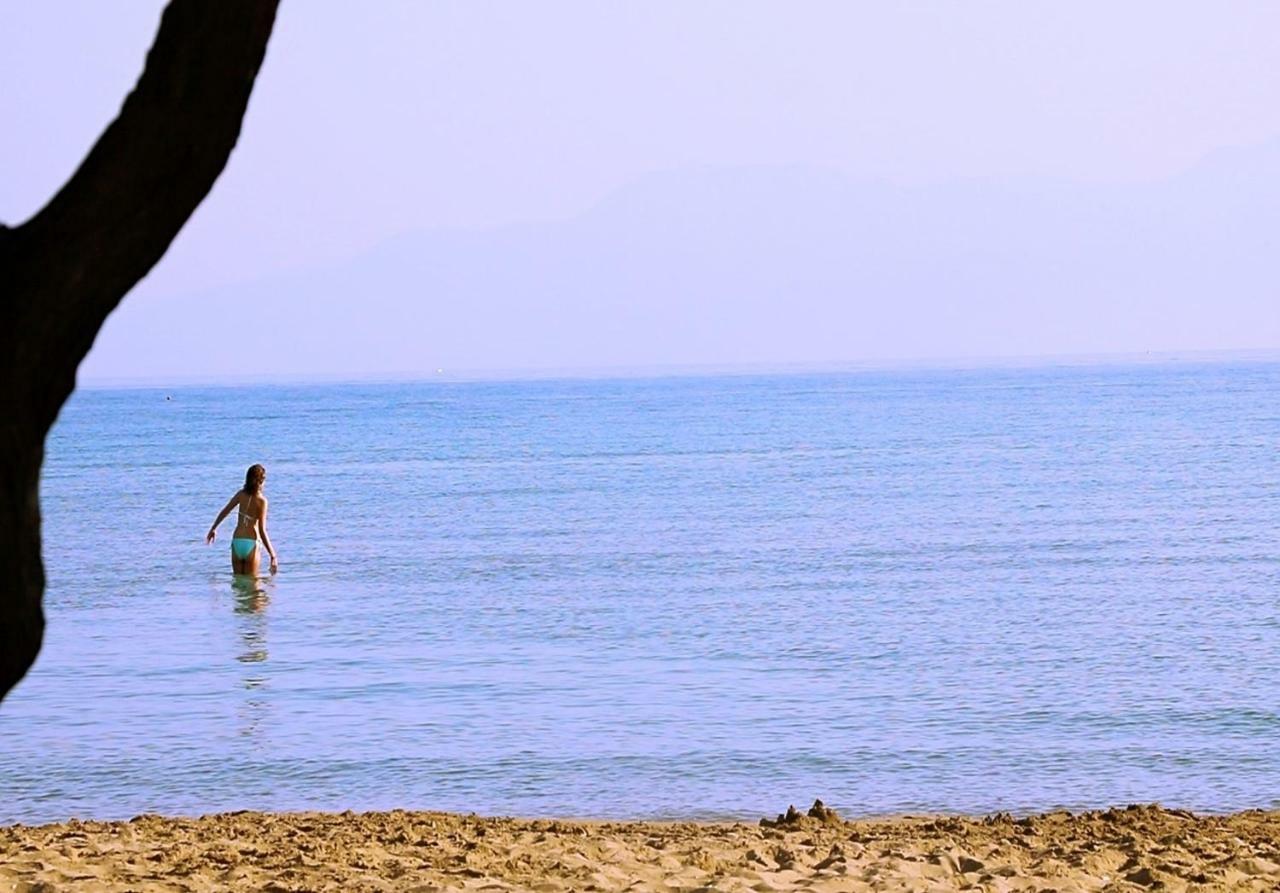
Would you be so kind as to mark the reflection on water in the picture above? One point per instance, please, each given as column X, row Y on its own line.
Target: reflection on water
column 251, row 597
column 251, row 594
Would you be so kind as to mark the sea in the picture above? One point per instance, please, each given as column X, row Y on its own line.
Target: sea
column 667, row 597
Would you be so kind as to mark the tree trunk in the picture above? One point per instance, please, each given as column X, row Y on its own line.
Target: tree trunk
column 67, row 267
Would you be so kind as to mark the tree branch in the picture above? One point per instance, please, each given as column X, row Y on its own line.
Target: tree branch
column 64, row 270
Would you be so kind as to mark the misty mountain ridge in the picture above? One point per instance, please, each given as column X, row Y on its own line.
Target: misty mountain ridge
column 789, row 264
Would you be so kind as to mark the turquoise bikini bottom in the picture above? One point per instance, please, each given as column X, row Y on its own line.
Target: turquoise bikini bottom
column 243, row 548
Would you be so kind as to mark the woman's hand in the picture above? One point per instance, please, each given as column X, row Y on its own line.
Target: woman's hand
column 210, row 536
column 275, row 564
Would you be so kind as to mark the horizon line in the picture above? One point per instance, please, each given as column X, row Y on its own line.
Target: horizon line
column 686, row 370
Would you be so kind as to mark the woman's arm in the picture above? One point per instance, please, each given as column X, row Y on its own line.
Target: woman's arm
column 266, row 540
column 226, row 510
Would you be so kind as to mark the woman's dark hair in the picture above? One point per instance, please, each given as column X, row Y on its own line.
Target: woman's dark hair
column 253, row 479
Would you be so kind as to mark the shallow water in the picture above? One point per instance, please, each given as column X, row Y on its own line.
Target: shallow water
column 947, row 591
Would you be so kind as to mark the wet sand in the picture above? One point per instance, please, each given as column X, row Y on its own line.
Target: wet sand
column 1135, row 848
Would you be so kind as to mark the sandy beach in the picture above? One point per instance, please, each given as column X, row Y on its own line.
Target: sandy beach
column 1134, row 848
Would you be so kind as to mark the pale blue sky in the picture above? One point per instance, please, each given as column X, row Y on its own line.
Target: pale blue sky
column 528, row 186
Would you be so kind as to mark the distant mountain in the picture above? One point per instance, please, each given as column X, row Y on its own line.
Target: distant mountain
column 765, row 264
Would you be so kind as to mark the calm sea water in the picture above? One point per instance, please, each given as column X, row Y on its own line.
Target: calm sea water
column 682, row 597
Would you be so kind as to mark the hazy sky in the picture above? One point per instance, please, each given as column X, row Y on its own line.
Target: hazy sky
column 374, row 120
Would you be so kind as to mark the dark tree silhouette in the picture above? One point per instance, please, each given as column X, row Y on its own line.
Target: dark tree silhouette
column 67, row 267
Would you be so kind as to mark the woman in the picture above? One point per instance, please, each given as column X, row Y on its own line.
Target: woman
column 250, row 523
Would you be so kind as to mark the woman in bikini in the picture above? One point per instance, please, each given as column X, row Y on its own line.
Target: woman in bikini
column 251, row 523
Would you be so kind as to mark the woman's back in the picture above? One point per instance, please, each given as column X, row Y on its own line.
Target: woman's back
column 250, row 506
column 251, row 523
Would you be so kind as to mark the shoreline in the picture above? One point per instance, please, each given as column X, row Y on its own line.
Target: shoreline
column 1128, row 848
